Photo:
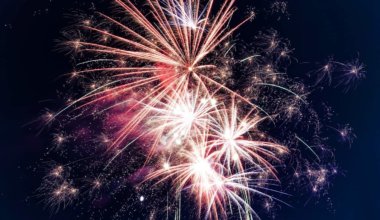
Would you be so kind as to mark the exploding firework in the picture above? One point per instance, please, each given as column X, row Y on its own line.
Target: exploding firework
column 164, row 89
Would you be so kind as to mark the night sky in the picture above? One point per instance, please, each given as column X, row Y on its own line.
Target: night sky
column 31, row 63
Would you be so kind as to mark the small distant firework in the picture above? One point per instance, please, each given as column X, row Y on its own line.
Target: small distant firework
column 344, row 75
column 175, row 105
column 280, row 8
column 345, row 133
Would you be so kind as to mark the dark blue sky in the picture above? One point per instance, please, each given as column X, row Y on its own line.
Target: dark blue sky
column 30, row 64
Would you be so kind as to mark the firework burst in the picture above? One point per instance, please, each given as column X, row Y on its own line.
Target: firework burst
column 162, row 87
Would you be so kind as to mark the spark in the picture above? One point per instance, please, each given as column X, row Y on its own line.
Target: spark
column 97, row 184
column 57, row 172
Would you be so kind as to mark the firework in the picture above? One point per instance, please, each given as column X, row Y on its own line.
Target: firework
column 162, row 86
column 347, row 74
